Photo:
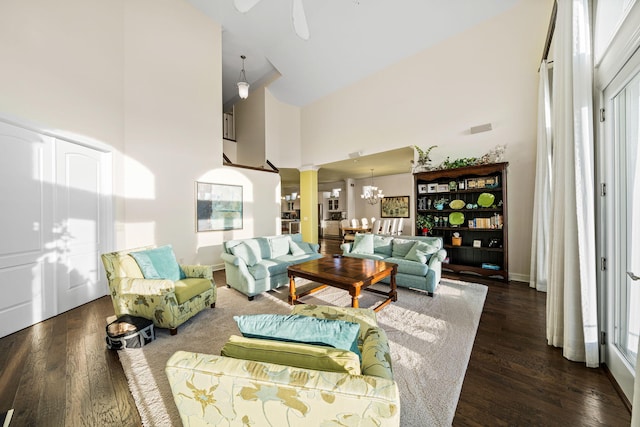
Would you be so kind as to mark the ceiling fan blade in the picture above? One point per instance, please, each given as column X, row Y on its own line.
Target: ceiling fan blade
column 244, row 5
column 299, row 20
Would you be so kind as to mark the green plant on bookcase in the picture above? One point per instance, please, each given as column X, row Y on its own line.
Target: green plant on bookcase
column 424, row 223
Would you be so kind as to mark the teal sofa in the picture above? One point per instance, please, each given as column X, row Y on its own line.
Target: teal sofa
column 418, row 269
column 259, row 264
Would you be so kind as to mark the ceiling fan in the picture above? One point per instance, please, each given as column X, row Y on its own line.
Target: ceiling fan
column 297, row 15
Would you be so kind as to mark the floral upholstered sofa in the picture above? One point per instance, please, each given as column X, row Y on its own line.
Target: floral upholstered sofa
column 419, row 258
column 259, row 264
column 220, row 390
column 168, row 302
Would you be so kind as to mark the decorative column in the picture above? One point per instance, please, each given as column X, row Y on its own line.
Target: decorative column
column 309, row 203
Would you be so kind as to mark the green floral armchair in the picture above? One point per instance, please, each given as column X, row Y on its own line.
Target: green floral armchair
column 167, row 303
column 218, row 390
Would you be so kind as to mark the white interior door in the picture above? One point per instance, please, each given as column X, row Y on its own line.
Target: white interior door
column 80, row 207
column 27, row 257
column 621, row 225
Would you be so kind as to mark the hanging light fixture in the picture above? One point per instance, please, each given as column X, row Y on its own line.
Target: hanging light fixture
column 371, row 193
column 243, row 85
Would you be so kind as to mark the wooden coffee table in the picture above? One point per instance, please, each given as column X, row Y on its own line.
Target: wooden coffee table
column 350, row 274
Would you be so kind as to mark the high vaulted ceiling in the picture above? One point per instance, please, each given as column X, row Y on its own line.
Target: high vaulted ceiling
column 349, row 39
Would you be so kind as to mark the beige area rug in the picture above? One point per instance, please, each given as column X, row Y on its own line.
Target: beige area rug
column 430, row 339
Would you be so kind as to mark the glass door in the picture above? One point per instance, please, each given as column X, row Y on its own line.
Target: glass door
column 621, row 226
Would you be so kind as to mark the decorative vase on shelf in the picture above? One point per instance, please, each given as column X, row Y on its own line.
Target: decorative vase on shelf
column 439, row 206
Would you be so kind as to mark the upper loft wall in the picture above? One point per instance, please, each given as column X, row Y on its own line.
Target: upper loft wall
column 282, row 132
column 249, row 117
column 487, row 74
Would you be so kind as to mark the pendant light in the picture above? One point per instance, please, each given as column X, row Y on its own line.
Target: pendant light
column 243, row 85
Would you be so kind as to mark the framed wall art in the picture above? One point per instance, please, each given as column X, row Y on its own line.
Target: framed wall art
column 218, row 207
column 394, row 207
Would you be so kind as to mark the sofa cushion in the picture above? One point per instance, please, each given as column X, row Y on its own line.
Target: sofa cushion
column 303, row 329
column 159, row 263
column 128, row 267
column 421, row 252
column 401, row 247
column 268, row 267
column 378, row 257
column 279, row 246
column 306, row 356
column 188, row 288
column 362, row 244
column 365, row 317
column 382, row 244
column 247, row 253
column 413, row 268
column 300, row 248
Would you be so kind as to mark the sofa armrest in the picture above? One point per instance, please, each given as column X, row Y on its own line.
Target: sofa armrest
column 438, row 257
column 218, row 390
column 315, row 247
column 127, row 285
column 198, row 271
column 231, row 259
column 346, row 248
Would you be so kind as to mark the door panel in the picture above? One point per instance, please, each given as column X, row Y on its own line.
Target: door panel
column 27, row 260
column 620, row 229
column 78, row 219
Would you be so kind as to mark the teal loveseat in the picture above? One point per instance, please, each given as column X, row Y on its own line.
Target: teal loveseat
column 419, row 266
column 255, row 265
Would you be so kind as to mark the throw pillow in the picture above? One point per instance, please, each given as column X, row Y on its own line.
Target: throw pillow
column 421, row 252
column 300, row 248
column 363, row 244
column 246, row 253
column 382, row 245
column 159, row 263
column 401, row 247
column 279, row 246
column 302, row 329
column 298, row 355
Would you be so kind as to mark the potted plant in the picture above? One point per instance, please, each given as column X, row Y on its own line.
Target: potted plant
column 424, row 223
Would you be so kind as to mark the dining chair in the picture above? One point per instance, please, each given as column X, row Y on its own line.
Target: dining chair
column 355, row 222
column 375, row 228
column 400, row 226
column 394, row 226
column 373, row 219
column 386, row 224
column 364, row 222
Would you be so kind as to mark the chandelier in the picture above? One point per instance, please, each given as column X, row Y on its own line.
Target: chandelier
column 371, row 193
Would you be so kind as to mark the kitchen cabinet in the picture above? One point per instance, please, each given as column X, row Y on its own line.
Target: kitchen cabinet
column 334, row 204
column 331, row 228
column 472, row 221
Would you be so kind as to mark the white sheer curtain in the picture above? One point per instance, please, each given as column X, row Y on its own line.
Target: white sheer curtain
column 542, row 195
column 571, row 288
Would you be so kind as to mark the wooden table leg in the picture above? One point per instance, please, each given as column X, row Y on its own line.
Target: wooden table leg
column 355, row 299
column 393, row 293
column 292, row 290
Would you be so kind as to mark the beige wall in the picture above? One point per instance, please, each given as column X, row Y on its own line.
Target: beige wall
column 282, row 132
column 487, row 74
column 142, row 80
column 249, row 116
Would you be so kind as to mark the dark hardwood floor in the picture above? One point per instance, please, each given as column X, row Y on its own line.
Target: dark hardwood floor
column 59, row 372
